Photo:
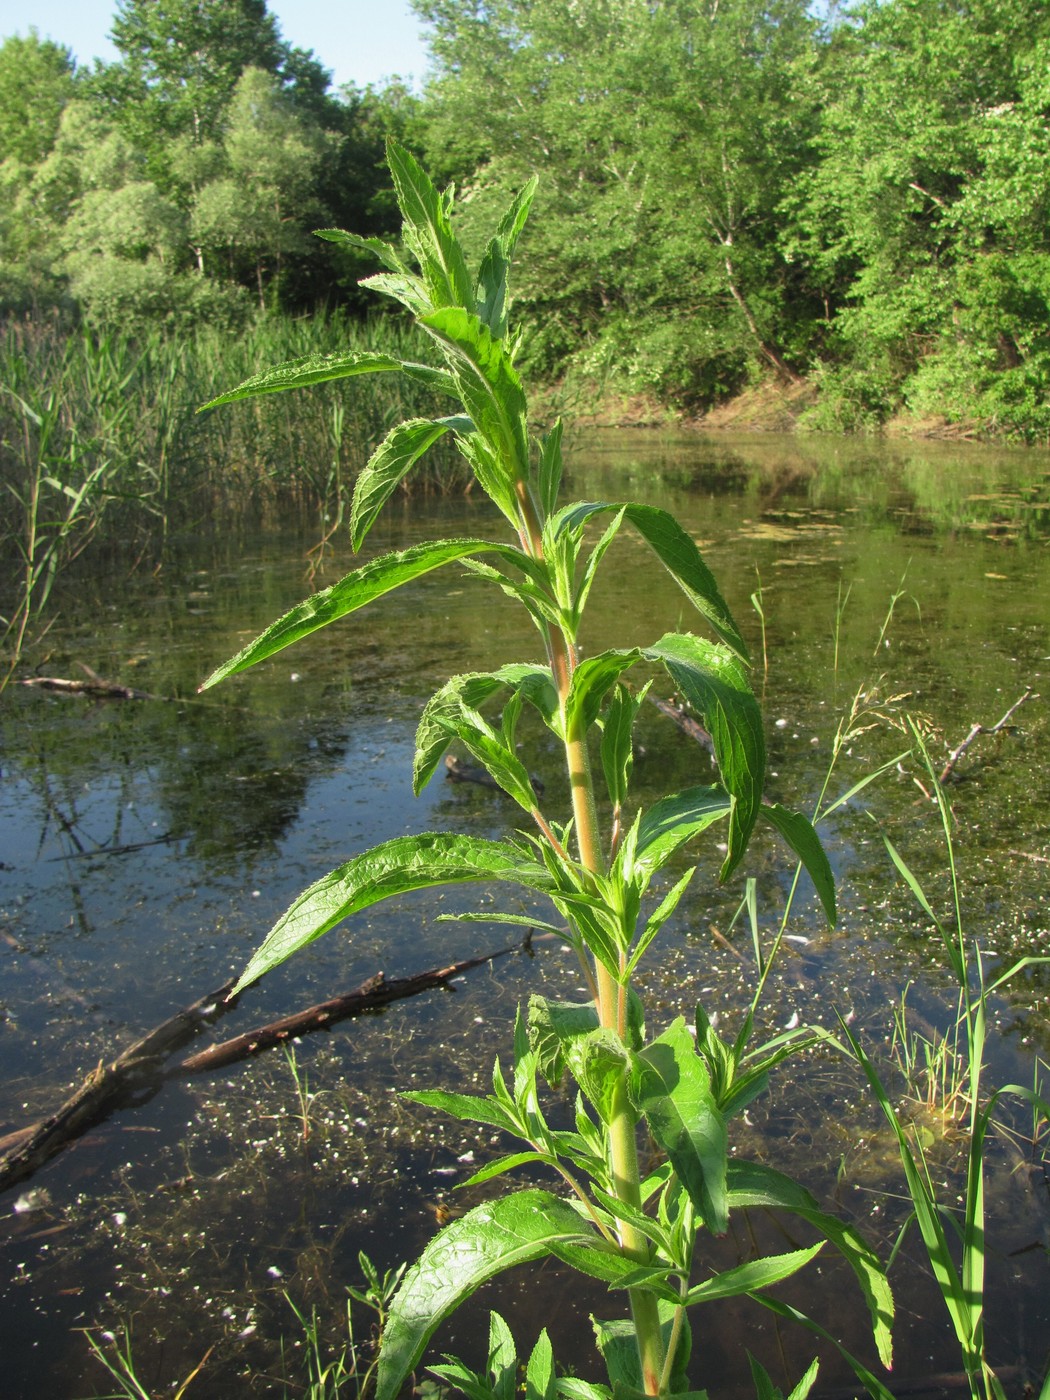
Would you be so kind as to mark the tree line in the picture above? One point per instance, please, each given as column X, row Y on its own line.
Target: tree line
column 730, row 190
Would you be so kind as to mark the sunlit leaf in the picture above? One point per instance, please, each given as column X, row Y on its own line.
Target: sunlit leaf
column 670, row 823
column 354, row 591
column 442, row 265
column 534, row 683
column 390, row 463
column 678, row 554
column 591, row 682
column 712, row 680
column 752, row 1276
column 318, row 369
column 395, row 867
column 670, row 1084
column 487, row 382
column 467, row 1253
column 468, row 1108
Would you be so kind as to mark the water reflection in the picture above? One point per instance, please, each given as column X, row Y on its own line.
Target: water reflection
column 146, row 847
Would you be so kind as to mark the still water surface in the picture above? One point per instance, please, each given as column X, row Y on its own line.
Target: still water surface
column 146, row 847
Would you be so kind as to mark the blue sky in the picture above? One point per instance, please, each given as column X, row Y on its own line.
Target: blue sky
column 362, row 41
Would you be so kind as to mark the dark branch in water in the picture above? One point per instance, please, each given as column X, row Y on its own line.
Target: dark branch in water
column 369, row 996
column 134, row 1069
column 139, row 1072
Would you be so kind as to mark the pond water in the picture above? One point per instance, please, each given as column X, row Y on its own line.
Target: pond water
column 146, row 846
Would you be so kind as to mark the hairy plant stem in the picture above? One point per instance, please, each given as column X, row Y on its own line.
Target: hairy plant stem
column 611, row 992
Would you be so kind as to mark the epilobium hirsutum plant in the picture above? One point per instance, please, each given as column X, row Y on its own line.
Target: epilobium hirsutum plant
column 636, row 1233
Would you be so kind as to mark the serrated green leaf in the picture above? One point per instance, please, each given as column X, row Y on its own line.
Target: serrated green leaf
column 351, row 593
column 441, row 258
column 552, row 1027
column 499, row 1165
column 591, row 681
column 751, row 1184
column 390, row 463
column 488, row 384
column 514, row 220
column 467, row 1253
column 670, row 1084
column 395, row 867
column 378, row 247
column 670, row 823
column 599, row 1063
column 617, row 749
column 678, row 554
column 712, row 680
column 502, row 1359
column 503, row 766
column 468, row 1108
column 550, row 468
column 658, row 918
column 539, row 1373
column 572, row 1388
column 402, row 287
column 318, row 369
column 491, row 290
column 472, row 690
column 800, row 835
column 751, row 1277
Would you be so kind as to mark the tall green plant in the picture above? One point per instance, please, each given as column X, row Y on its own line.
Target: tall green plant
column 636, row 1232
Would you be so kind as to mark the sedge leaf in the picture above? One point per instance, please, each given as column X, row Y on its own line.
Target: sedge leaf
column 800, row 835
column 751, row 1184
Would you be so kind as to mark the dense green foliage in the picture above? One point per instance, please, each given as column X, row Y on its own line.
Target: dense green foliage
column 181, row 184
column 729, row 189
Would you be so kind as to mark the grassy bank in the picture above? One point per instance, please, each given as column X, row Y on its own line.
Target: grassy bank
column 100, row 440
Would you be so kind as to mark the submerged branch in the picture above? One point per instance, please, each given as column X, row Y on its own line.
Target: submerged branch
column 139, row 1072
column 372, row 994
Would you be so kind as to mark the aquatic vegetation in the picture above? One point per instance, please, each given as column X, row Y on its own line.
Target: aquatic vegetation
column 596, row 865
column 956, row 1250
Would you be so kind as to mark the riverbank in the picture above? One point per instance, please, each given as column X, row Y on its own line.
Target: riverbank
column 775, row 407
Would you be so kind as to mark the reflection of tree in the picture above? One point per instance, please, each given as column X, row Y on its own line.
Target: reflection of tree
column 227, row 782
column 236, row 787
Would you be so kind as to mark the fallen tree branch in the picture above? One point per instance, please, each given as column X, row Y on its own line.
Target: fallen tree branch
column 978, row 729
column 139, row 1071
column 685, row 723
column 137, row 1067
column 94, row 686
column 377, row 991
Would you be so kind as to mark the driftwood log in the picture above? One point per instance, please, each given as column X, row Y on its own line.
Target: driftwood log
column 139, row 1071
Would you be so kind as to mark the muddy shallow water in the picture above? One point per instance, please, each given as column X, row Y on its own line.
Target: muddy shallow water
column 147, row 846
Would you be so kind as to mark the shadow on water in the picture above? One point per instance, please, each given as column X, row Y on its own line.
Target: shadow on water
column 148, row 845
